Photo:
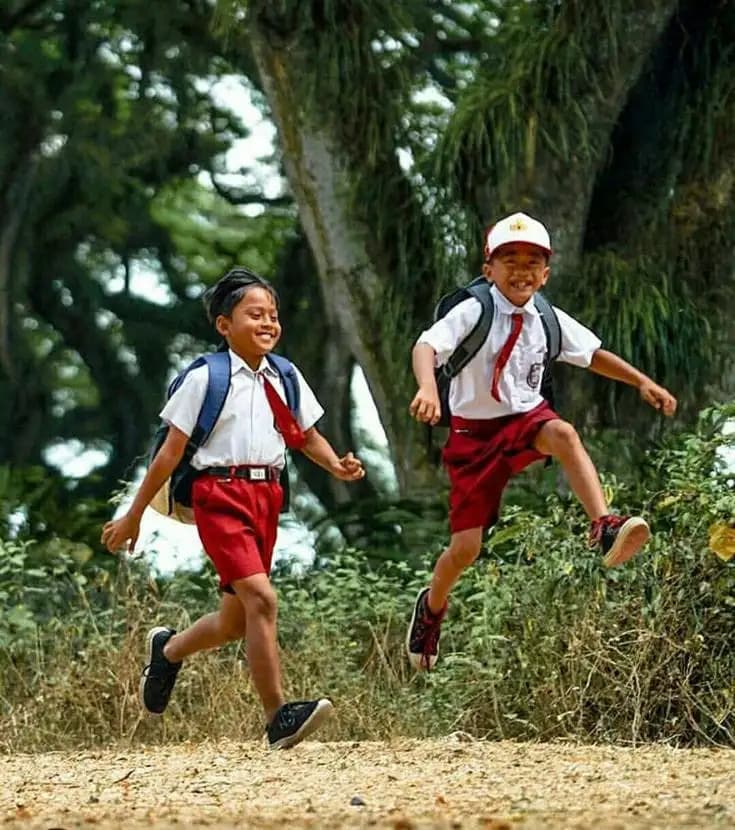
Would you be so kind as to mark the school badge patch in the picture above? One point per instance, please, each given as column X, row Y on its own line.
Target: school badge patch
column 533, row 378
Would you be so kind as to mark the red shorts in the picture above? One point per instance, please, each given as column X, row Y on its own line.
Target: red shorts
column 237, row 522
column 481, row 456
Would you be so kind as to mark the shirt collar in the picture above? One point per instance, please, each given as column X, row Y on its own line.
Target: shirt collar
column 504, row 306
column 237, row 363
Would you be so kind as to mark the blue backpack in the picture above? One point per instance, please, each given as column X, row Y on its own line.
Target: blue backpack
column 479, row 288
column 174, row 498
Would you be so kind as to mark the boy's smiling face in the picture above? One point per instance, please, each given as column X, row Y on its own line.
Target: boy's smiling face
column 519, row 270
column 252, row 329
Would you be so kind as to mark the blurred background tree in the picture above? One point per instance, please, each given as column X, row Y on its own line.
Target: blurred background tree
column 402, row 129
column 406, row 127
column 112, row 220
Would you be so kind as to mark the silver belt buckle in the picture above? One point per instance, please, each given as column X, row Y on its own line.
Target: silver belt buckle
column 257, row 474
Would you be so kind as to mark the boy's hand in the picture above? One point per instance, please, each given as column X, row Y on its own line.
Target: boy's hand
column 116, row 533
column 658, row 397
column 425, row 406
column 348, row 468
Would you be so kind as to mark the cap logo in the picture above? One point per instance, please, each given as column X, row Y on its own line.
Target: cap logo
column 518, row 225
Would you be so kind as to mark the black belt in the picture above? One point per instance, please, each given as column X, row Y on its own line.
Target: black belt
column 249, row 472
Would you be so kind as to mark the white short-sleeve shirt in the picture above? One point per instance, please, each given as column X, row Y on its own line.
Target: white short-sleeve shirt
column 245, row 431
column 520, row 381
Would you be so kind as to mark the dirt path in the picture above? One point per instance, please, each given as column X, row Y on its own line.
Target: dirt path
column 449, row 783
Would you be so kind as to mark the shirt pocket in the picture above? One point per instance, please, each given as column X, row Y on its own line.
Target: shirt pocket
column 531, row 372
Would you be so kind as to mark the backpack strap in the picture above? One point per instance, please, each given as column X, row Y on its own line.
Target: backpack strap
column 290, row 380
column 469, row 347
column 552, row 330
column 218, row 385
column 550, row 322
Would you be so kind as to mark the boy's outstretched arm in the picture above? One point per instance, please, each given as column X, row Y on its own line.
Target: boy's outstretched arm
column 319, row 450
column 609, row 365
column 425, row 405
column 125, row 529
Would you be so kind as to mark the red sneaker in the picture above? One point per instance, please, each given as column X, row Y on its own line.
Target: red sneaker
column 620, row 537
column 422, row 638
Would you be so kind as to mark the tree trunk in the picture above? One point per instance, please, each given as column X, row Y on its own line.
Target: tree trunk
column 559, row 189
column 313, row 341
column 353, row 288
column 13, row 204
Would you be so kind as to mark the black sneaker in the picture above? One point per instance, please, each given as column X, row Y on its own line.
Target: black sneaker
column 159, row 676
column 619, row 537
column 294, row 721
column 422, row 639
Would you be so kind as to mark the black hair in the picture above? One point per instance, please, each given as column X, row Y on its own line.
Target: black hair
column 227, row 292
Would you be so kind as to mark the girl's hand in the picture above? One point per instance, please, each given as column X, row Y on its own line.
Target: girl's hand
column 348, row 468
column 116, row 533
column 658, row 397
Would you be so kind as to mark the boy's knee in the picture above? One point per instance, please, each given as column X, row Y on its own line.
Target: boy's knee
column 464, row 550
column 261, row 600
column 560, row 437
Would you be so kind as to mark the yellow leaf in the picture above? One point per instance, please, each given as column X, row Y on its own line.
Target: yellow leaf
column 609, row 492
column 722, row 540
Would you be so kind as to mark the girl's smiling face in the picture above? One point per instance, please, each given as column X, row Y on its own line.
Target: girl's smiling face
column 519, row 270
column 252, row 329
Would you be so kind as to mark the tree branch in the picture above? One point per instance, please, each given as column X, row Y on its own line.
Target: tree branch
column 235, row 196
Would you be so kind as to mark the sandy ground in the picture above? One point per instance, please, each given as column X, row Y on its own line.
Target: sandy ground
column 450, row 783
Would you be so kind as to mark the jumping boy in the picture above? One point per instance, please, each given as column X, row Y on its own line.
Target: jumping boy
column 236, row 499
column 500, row 423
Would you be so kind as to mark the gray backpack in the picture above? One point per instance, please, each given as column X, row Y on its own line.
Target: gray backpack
column 480, row 289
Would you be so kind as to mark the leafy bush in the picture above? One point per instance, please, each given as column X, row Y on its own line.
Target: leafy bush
column 540, row 641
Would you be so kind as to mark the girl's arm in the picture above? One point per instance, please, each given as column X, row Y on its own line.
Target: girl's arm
column 125, row 529
column 319, row 450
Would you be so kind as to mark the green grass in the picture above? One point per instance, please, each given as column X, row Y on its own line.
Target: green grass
column 540, row 641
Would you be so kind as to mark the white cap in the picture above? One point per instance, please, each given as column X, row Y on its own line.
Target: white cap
column 517, row 228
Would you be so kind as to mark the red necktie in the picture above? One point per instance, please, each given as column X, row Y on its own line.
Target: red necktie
column 286, row 424
column 516, row 322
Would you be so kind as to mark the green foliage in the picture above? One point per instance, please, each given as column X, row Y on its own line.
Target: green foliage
column 393, row 529
column 526, row 96
column 642, row 309
column 540, row 641
column 110, row 126
column 654, row 277
column 608, row 120
column 109, row 129
column 211, row 234
column 387, row 55
column 42, row 508
column 24, row 591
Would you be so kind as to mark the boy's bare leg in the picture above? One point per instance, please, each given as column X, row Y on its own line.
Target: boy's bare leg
column 261, row 609
column 619, row 537
column 560, row 440
column 422, row 635
column 209, row 631
column 464, row 548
